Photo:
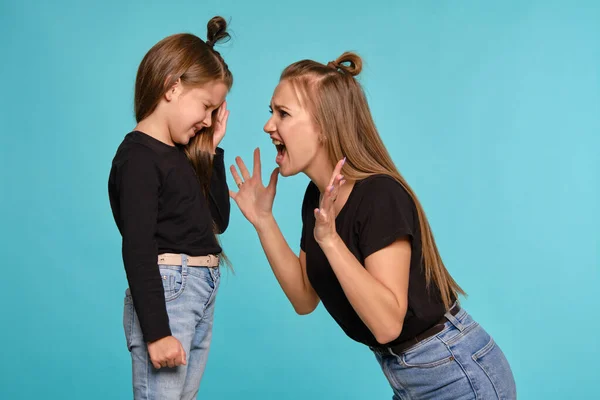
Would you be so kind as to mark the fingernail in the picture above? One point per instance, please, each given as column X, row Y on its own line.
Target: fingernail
column 344, row 161
column 330, row 188
column 342, row 181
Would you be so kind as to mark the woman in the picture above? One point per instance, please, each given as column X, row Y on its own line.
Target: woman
column 367, row 251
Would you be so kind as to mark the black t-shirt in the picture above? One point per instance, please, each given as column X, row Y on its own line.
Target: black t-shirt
column 378, row 211
column 159, row 207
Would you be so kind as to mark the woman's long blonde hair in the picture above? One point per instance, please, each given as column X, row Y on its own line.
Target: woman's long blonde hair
column 339, row 107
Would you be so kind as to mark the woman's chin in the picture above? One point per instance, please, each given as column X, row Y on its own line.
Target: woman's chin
column 285, row 171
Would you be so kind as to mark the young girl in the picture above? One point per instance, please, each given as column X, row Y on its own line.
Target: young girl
column 169, row 197
column 367, row 251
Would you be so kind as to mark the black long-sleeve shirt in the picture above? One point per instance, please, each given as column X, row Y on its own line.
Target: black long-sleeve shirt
column 159, row 207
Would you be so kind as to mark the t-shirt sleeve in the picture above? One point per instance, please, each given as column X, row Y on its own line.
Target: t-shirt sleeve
column 386, row 213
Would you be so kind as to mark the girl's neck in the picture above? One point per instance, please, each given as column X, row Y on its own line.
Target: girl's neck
column 152, row 126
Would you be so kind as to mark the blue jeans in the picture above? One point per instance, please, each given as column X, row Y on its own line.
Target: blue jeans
column 190, row 297
column 461, row 362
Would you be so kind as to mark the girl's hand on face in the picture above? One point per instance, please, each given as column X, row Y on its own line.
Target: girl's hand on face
column 220, row 125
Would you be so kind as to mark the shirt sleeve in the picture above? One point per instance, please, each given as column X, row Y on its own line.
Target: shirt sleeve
column 138, row 185
column 218, row 200
column 387, row 213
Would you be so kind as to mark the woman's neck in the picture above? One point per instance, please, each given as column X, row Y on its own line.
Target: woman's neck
column 320, row 172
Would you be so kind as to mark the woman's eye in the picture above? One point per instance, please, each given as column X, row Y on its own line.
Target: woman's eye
column 281, row 113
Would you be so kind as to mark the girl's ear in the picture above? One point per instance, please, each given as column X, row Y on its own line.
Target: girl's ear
column 174, row 90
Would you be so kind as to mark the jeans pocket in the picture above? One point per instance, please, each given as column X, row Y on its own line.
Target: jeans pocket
column 211, row 276
column 173, row 281
column 216, row 276
column 429, row 371
column 494, row 364
column 428, row 354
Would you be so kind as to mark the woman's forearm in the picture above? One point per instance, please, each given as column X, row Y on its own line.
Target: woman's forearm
column 286, row 266
column 374, row 303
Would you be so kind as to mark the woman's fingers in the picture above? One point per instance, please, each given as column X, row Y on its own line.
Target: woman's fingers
column 243, row 169
column 236, row 177
column 256, row 169
column 337, row 170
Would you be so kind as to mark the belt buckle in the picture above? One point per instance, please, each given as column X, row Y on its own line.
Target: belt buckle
column 212, row 259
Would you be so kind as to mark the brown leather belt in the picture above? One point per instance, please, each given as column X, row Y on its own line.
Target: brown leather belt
column 434, row 330
column 197, row 261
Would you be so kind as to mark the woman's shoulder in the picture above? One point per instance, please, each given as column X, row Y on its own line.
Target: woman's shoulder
column 383, row 194
column 378, row 185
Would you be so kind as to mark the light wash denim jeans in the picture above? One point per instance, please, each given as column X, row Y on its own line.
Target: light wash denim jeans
column 461, row 362
column 190, row 297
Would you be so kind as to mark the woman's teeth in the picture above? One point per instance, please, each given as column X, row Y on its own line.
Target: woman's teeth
column 279, row 145
column 280, row 150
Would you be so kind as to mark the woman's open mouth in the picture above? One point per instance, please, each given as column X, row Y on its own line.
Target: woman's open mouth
column 281, row 151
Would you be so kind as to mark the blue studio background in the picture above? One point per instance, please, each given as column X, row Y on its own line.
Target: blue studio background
column 491, row 110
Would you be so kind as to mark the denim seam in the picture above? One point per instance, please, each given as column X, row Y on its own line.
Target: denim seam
column 481, row 353
column 213, row 273
column 210, row 298
column 484, row 350
column 147, row 383
column 402, row 358
column 213, row 281
column 392, row 376
column 464, row 372
column 434, row 364
column 130, row 326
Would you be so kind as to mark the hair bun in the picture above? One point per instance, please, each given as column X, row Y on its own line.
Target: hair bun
column 352, row 59
column 216, row 31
